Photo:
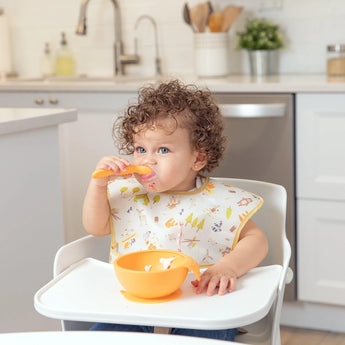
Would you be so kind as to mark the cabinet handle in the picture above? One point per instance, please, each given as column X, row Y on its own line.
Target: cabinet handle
column 253, row 110
column 39, row 101
column 53, row 101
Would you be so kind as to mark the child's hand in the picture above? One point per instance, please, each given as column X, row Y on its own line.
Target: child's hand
column 114, row 163
column 219, row 275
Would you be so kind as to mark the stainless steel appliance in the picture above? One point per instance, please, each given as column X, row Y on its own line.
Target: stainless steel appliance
column 260, row 128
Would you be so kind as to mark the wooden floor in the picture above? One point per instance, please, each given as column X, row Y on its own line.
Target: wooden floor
column 300, row 336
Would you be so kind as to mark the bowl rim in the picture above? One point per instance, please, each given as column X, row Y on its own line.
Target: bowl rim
column 115, row 263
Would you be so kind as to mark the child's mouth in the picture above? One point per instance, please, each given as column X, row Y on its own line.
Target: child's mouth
column 147, row 176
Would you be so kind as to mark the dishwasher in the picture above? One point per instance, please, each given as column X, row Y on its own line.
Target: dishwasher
column 260, row 131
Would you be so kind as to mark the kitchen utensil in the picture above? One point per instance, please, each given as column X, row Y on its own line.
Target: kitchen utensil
column 153, row 274
column 206, row 11
column 210, row 7
column 230, row 14
column 199, row 15
column 142, row 170
column 215, row 22
column 186, row 17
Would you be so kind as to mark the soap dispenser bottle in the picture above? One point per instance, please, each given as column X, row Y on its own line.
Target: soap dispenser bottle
column 64, row 59
column 47, row 65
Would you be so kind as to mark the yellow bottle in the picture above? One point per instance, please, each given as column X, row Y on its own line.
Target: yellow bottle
column 65, row 65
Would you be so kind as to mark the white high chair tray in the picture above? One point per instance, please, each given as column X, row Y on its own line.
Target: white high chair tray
column 90, row 291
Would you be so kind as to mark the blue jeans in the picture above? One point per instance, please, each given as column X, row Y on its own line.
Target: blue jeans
column 223, row 334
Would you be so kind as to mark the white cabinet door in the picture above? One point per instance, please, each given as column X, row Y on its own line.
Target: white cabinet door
column 320, row 176
column 320, row 140
column 321, row 251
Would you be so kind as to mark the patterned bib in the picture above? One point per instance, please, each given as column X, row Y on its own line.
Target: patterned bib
column 204, row 223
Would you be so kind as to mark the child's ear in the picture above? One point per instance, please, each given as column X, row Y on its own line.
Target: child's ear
column 200, row 161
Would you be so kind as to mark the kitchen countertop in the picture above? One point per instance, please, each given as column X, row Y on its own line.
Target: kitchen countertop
column 235, row 84
column 14, row 120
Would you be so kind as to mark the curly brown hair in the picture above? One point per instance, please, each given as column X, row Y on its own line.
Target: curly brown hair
column 189, row 106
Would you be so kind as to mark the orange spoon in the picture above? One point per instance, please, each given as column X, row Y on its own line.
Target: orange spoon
column 139, row 169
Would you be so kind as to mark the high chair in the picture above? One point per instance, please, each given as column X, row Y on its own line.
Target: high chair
column 270, row 218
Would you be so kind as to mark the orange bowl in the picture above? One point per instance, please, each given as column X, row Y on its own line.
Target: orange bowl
column 154, row 273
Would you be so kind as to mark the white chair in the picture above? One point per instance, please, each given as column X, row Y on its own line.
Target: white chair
column 271, row 218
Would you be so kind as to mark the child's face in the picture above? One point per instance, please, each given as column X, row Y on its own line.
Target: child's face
column 171, row 157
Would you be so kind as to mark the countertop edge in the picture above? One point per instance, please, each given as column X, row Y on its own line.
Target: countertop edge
column 53, row 117
column 313, row 83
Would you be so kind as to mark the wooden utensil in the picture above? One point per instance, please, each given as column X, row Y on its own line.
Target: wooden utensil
column 142, row 170
column 207, row 10
column 215, row 22
column 199, row 15
column 230, row 14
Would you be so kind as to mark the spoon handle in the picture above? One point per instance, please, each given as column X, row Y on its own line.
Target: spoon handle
column 142, row 170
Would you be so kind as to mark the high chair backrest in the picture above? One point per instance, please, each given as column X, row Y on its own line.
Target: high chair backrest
column 270, row 217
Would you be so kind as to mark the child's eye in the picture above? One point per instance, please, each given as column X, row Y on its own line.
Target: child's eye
column 140, row 150
column 164, row 150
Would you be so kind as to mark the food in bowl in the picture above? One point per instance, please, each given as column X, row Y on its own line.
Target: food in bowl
column 154, row 273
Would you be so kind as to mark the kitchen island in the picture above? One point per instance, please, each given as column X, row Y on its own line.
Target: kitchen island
column 31, row 219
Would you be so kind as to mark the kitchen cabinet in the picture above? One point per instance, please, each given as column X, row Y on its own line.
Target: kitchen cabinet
column 82, row 143
column 31, row 219
column 320, row 123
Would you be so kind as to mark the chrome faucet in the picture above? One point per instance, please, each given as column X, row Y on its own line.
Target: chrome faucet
column 157, row 59
column 120, row 59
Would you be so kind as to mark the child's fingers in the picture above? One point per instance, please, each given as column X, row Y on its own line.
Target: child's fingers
column 223, row 285
column 232, row 284
column 195, row 283
column 203, row 283
column 212, row 285
column 110, row 165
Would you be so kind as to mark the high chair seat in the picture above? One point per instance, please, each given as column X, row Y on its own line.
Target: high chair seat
column 85, row 286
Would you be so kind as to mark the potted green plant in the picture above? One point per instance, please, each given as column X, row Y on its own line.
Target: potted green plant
column 262, row 39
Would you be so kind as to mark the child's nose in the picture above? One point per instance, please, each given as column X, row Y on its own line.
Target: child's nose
column 150, row 159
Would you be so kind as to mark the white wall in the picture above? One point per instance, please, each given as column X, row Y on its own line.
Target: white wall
column 309, row 26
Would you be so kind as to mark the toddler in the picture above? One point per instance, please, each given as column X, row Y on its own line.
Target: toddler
column 177, row 131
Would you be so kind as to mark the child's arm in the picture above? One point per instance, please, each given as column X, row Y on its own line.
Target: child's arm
column 96, row 210
column 250, row 250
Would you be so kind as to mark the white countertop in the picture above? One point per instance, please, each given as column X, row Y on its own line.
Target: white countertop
column 235, row 84
column 21, row 119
